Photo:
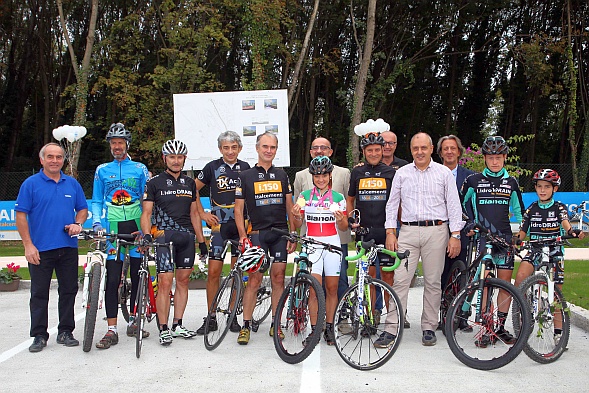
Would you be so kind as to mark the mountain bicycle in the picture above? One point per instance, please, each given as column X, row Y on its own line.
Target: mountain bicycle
column 472, row 320
column 580, row 220
column 95, row 279
column 359, row 324
column 549, row 309
column 145, row 307
column 293, row 317
column 228, row 301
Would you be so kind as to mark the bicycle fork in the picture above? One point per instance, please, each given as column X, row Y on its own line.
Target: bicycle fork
column 88, row 277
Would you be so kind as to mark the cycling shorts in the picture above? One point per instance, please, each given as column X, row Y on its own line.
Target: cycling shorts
column 379, row 235
column 535, row 258
column 273, row 243
column 325, row 262
column 220, row 233
column 183, row 247
column 124, row 228
column 503, row 259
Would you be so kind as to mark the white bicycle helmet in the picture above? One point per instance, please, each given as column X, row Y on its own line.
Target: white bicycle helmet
column 174, row 146
column 118, row 130
column 253, row 259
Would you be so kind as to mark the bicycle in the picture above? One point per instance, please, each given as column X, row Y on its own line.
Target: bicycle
column 295, row 338
column 547, row 304
column 95, row 280
column 145, row 307
column 228, row 301
column 358, row 323
column 472, row 317
column 580, row 220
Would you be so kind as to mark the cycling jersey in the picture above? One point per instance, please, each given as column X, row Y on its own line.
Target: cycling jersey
column 222, row 179
column 265, row 194
column 487, row 198
column 172, row 199
column 370, row 185
column 319, row 215
column 544, row 220
column 118, row 187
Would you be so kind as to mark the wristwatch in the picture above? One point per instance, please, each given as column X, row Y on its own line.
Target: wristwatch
column 456, row 236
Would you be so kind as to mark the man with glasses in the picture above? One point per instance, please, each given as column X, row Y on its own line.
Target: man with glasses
column 340, row 179
column 388, row 151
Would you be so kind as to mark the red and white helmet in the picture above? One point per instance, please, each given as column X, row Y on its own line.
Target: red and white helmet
column 549, row 175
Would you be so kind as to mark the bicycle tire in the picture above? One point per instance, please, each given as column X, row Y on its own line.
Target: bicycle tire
column 223, row 310
column 454, row 284
column 125, row 291
column 354, row 340
column 541, row 345
column 91, row 306
column 475, row 343
column 295, row 323
column 140, row 311
column 263, row 303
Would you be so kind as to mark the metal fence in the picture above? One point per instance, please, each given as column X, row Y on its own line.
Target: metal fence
column 10, row 181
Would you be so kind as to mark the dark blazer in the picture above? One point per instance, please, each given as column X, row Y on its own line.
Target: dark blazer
column 461, row 174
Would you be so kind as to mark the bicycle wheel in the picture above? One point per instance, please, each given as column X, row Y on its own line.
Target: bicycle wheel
column 223, row 309
column 456, row 281
column 91, row 306
column 293, row 320
column 355, row 337
column 125, row 291
column 543, row 346
column 475, row 342
column 141, row 311
column 263, row 303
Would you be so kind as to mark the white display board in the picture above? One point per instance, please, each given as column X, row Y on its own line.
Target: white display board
column 199, row 118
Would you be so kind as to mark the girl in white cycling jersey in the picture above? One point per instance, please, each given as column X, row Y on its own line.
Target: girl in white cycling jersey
column 324, row 212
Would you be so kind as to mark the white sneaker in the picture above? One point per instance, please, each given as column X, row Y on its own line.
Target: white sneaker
column 166, row 337
column 181, row 331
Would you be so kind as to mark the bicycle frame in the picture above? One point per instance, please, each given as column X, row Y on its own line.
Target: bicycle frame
column 93, row 257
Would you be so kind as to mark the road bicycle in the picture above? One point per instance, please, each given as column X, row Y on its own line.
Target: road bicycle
column 359, row 324
column 95, row 279
column 549, row 309
column 145, row 307
column 472, row 323
column 295, row 338
column 580, row 220
column 228, row 301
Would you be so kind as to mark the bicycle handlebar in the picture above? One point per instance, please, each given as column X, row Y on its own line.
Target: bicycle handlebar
column 552, row 241
column 88, row 234
column 295, row 238
column 370, row 244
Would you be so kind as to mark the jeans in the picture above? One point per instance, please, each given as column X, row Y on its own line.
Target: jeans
column 65, row 263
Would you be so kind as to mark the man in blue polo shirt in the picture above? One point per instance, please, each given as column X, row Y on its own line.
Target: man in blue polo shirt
column 50, row 209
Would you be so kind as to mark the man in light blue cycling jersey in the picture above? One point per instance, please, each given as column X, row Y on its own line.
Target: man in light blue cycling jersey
column 118, row 189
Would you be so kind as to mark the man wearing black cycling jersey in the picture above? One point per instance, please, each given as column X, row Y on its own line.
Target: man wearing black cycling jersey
column 170, row 214
column 265, row 191
column 221, row 176
column 370, row 186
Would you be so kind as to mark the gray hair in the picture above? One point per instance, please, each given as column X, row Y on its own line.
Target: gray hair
column 455, row 139
column 268, row 133
column 42, row 151
column 229, row 136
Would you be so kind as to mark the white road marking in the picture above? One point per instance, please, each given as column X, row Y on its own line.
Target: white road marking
column 25, row 344
column 311, row 374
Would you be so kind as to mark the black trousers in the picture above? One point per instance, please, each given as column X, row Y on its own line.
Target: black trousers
column 65, row 263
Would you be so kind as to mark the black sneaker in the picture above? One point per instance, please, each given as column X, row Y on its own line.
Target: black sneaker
column 505, row 336
column 38, row 344
column 235, row 327
column 329, row 336
column 385, row 340
column 212, row 326
column 67, row 339
column 429, row 338
column 483, row 342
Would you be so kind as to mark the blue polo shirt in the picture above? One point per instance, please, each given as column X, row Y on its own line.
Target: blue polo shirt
column 50, row 206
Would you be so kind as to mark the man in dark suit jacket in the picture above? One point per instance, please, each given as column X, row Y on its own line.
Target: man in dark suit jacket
column 450, row 150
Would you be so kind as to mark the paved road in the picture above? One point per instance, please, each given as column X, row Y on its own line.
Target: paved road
column 187, row 366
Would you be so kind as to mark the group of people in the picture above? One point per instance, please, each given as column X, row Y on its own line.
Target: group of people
column 416, row 206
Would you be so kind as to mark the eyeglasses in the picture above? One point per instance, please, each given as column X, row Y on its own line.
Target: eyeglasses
column 320, row 147
column 390, row 143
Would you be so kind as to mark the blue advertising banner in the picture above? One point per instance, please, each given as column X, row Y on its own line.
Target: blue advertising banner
column 8, row 229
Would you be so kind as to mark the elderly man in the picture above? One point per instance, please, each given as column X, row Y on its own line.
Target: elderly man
column 427, row 195
column 50, row 210
column 388, row 151
column 340, row 178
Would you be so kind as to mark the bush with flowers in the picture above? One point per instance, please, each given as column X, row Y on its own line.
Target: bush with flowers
column 9, row 273
column 473, row 158
column 199, row 272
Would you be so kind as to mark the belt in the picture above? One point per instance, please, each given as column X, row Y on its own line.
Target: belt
column 426, row 223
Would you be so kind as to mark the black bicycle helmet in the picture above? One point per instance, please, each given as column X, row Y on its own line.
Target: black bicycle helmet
column 320, row 165
column 174, row 146
column 549, row 175
column 495, row 145
column 373, row 138
column 118, row 130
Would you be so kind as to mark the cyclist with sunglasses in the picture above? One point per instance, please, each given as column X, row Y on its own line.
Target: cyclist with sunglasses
column 487, row 199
